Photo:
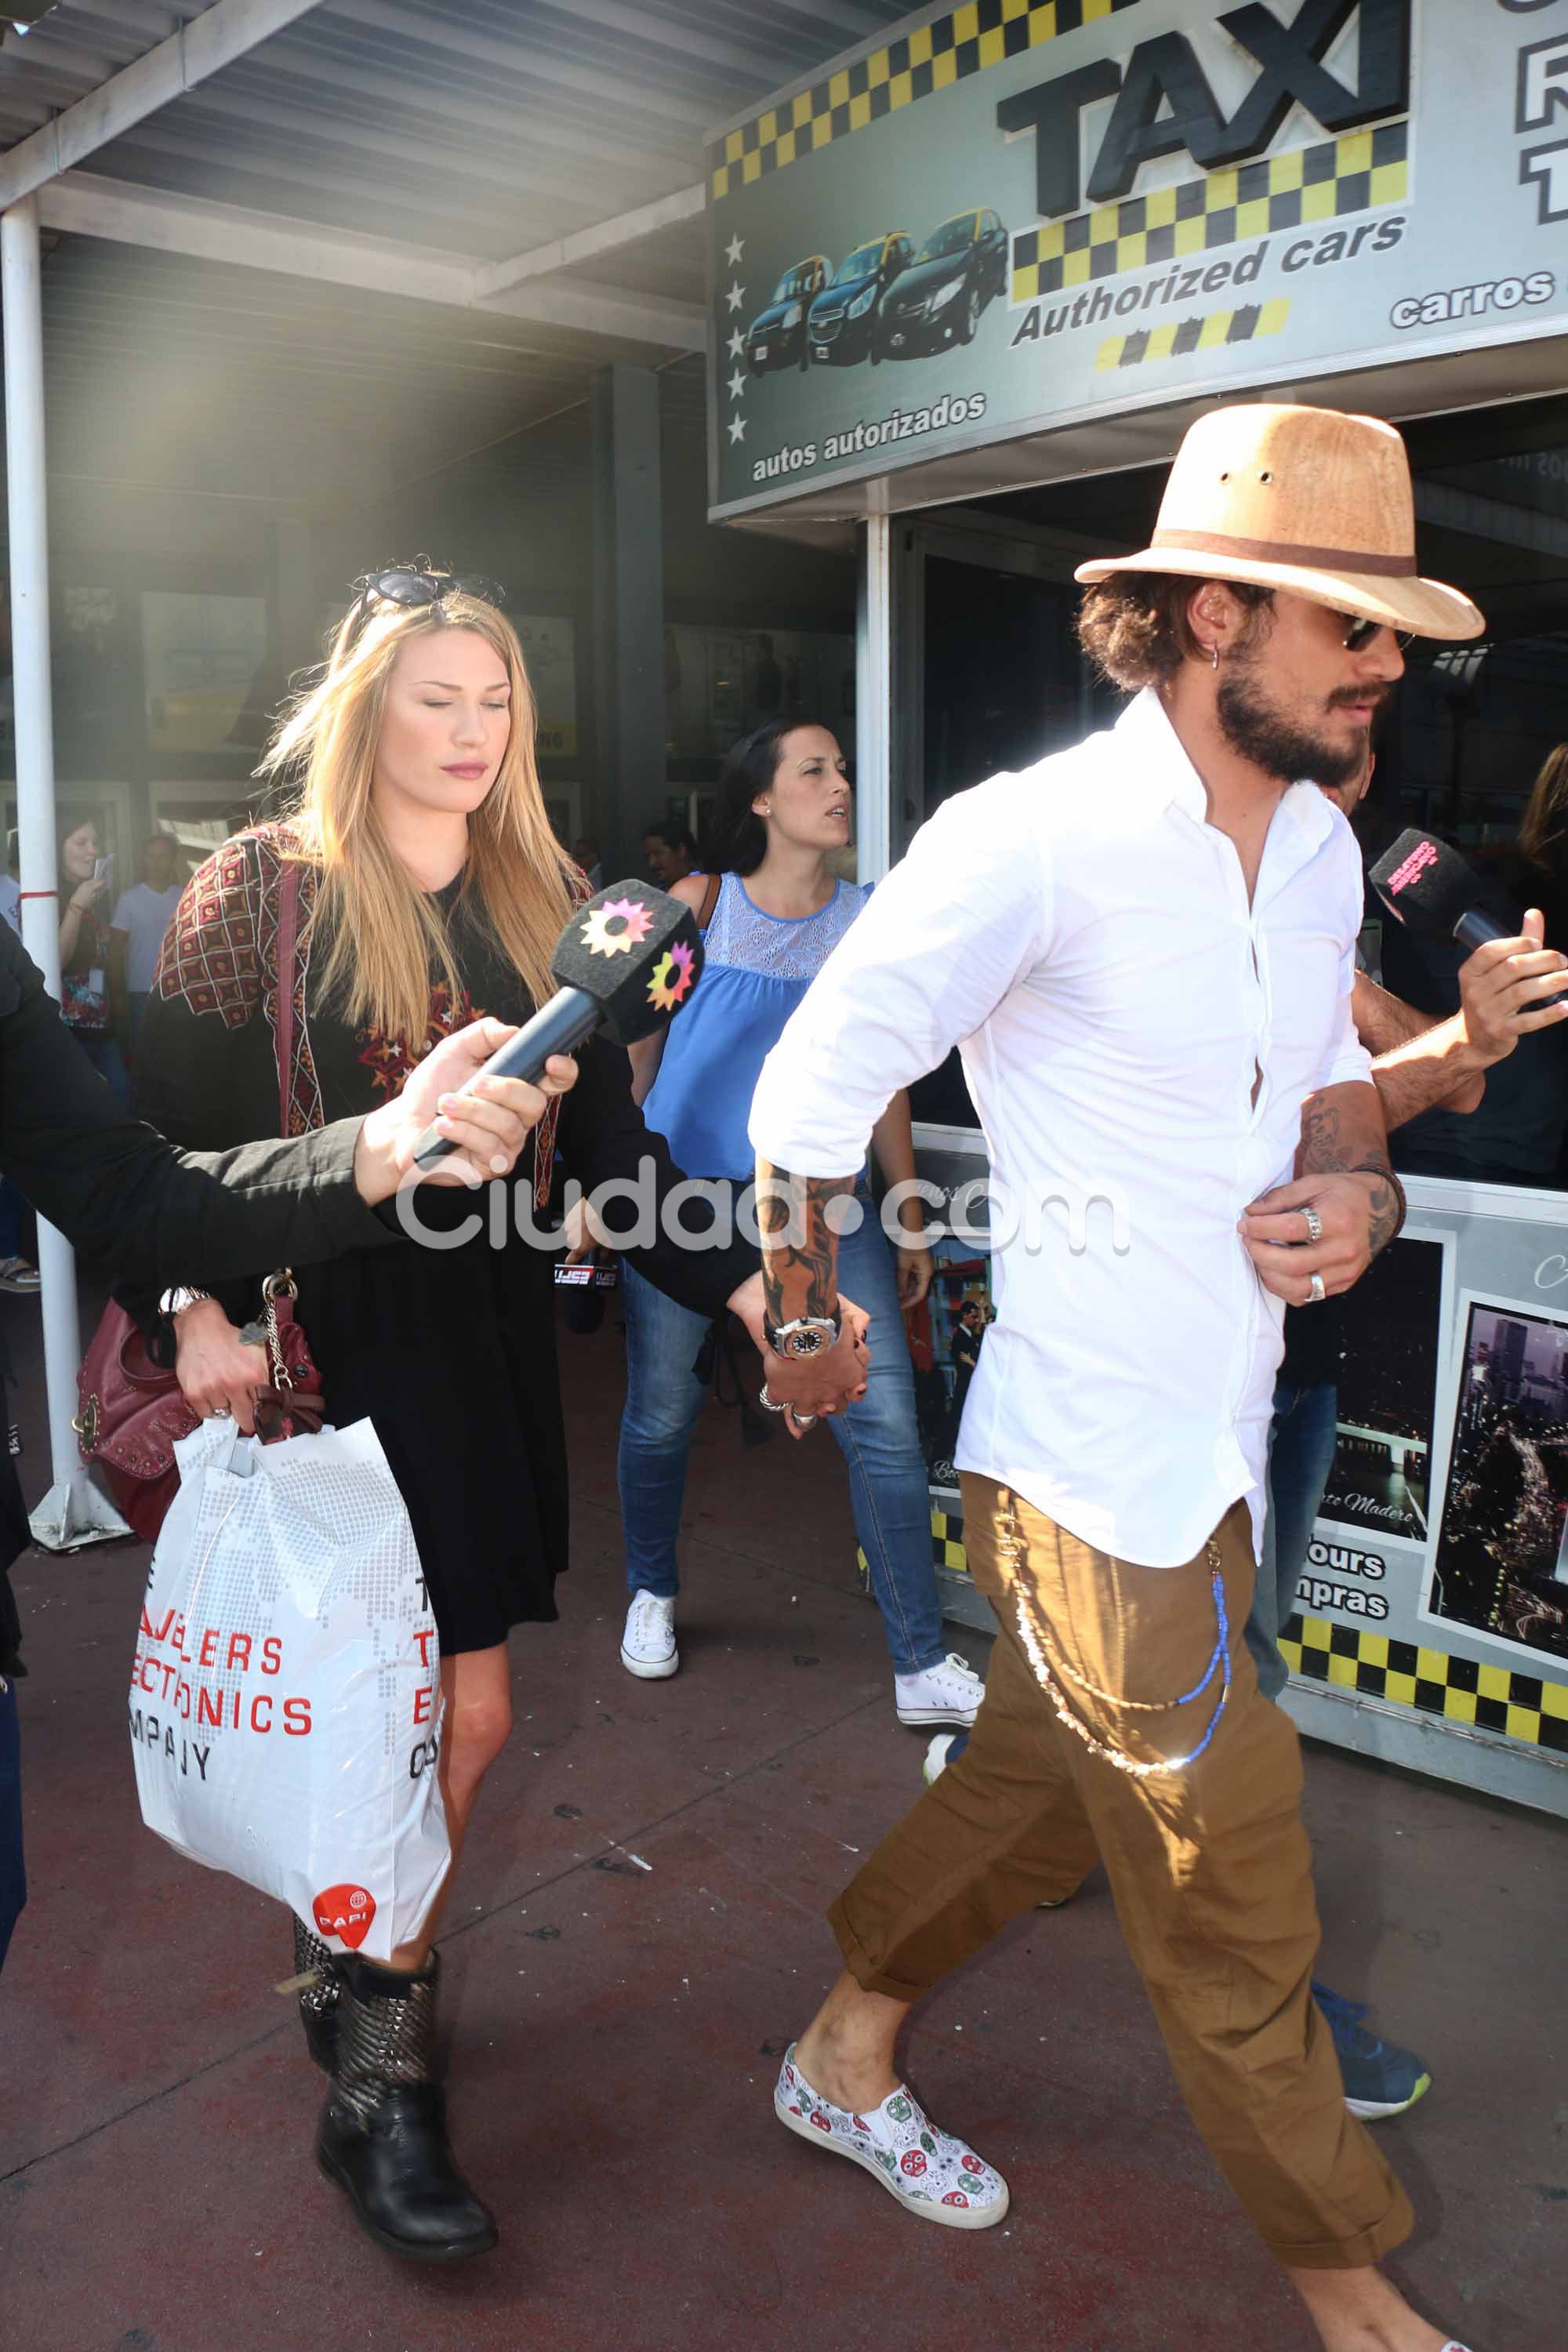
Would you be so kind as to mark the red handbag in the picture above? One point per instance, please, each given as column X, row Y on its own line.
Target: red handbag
column 131, row 1411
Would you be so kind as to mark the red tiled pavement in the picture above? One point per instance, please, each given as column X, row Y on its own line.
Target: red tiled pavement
column 617, row 2031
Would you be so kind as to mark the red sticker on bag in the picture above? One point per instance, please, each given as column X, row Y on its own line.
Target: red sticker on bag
column 345, row 1912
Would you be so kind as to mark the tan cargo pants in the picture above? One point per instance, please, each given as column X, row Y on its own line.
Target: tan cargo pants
column 1209, row 1865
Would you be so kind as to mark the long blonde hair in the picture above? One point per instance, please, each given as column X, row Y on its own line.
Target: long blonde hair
column 386, row 938
column 1543, row 833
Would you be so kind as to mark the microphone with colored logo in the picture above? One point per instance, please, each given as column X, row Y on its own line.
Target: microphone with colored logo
column 1431, row 890
column 627, row 962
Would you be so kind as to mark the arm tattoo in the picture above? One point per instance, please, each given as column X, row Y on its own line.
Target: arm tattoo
column 800, row 1248
column 1327, row 1149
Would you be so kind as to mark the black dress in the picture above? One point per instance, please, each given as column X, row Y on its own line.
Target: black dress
column 446, row 1343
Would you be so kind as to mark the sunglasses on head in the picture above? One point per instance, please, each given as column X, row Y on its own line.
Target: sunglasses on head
column 412, row 588
column 1360, row 634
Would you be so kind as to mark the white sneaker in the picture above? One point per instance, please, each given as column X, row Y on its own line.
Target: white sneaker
column 949, row 1692
column 647, row 1645
column 934, row 2176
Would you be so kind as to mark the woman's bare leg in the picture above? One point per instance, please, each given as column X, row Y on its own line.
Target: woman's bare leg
column 476, row 1694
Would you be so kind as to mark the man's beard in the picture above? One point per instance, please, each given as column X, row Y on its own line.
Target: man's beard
column 1256, row 731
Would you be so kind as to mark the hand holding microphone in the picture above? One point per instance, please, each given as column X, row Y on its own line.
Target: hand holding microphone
column 1507, row 985
column 626, row 962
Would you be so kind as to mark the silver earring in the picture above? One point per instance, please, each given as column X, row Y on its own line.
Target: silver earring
column 1213, row 656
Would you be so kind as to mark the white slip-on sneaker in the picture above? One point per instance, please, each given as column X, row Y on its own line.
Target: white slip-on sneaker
column 933, row 2175
column 949, row 1692
column 647, row 1645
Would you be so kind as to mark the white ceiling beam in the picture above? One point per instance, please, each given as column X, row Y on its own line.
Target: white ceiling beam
column 204, row 47
column 601, row 310
column 90, row 205
column 590, row 244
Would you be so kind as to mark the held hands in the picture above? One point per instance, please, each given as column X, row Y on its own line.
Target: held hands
column 489, row 1126
column 1500, row 987
column 1357, row 1213
column 812, row 1387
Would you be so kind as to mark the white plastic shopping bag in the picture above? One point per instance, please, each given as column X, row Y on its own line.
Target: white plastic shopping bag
column 285, row 1700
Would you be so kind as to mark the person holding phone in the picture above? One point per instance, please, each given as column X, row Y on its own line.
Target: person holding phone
column 87, row 1005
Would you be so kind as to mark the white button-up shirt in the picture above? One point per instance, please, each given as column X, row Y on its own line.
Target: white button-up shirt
column 1139, row 1041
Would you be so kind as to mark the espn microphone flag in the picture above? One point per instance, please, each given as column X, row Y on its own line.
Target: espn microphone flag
column 626, row 963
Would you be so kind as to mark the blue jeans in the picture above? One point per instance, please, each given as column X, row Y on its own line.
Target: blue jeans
column 13, row 1878
column 1300, row 1455
column 878, row 1437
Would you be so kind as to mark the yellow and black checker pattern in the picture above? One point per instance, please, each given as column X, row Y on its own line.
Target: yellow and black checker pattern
column 1176, row 337
column 1485, row 1698
column 946, row 1545
column 1356, row 174
column 982, row 33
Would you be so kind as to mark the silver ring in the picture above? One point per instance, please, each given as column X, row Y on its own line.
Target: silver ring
column 1320, row 1290
column 805, row 1420
column 769, row 1404
column 1314, row 1225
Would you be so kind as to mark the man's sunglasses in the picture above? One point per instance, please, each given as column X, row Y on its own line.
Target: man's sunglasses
column 412, row 589
column 1360, row 634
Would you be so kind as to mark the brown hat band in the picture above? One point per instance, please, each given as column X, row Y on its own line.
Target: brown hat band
column 1280, row 550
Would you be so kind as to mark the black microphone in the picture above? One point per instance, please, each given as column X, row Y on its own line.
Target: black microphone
column 627, row 962
column 1429, row 888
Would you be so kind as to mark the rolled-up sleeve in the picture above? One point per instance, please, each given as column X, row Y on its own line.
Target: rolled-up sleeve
column 944, row 937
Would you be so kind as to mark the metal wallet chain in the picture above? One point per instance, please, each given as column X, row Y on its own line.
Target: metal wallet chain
column 1011, row 1543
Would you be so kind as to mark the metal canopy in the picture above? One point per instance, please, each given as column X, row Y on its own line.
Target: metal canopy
column 320, row 247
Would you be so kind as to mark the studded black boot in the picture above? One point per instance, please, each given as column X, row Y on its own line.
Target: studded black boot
column 383, row 2135
column 319, row 2000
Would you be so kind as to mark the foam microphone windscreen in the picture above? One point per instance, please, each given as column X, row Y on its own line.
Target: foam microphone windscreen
column 1426, row 884
column 636, row 951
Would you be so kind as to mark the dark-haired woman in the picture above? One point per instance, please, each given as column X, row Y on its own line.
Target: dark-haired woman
column 771, row 913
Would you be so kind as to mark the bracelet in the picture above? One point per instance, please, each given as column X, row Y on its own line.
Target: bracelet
column 174, row 1302
column 1379, row 1168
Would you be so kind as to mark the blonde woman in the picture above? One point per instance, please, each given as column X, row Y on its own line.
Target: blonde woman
column 429, row 890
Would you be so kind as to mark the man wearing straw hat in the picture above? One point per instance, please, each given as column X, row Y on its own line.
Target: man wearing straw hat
column 1145, row 948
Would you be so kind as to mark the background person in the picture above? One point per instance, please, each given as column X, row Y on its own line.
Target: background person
column 88, row 1004
column 142, row 916
column 668, row 852
column 1418, row 1064
column 430, row 888
column 772, row 914
column 1518, row 1132
column 1147, row 948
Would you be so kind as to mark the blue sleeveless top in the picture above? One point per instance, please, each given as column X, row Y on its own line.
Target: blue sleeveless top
column 757, row 969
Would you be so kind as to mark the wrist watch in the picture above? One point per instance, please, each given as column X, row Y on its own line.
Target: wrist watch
column 808, row 1335
column 174, row 1302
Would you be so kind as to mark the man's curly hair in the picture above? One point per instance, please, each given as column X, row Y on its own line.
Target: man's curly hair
column 1134, row 626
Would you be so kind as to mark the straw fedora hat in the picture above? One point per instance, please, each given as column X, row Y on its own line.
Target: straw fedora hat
column 1303, row 498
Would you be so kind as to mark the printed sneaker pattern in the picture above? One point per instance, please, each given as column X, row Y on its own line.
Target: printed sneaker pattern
column 925, row 2165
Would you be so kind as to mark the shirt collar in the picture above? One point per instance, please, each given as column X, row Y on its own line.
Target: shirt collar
column 1160, row 766
column 1157, row 765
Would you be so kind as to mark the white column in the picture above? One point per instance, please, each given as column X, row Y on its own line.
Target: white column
column 873, row 702
column 73, row 1511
